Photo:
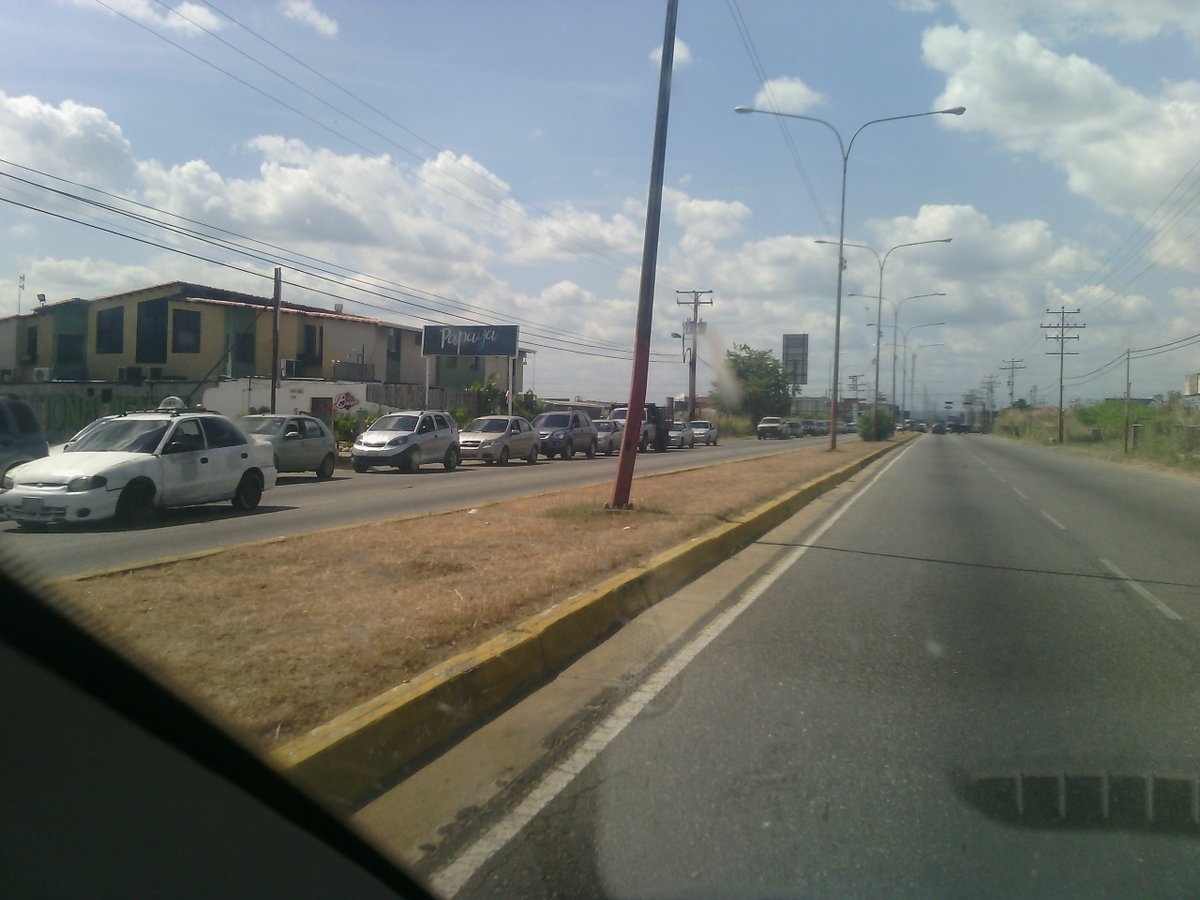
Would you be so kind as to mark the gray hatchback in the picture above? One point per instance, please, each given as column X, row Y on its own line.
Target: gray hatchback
column 301, row 443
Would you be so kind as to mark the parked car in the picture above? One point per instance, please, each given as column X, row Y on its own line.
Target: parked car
column 133, row 465
column 608, row 435
column 705, row 431
column 808, row 427
column 793, row 429
column 680, row 434
column 564, row 433
column 21, row 435
column 650, row 418
column 408, row 440
column 770, row 427
column 497, row 439
column 301, row 443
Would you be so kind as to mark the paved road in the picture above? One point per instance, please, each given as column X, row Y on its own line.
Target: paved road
column 979, row 676
column 301, row 504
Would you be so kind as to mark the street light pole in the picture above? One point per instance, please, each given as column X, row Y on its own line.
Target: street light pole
column 845, row 150
column 904, row 376
column 896, row 307
column 841, row 227
column 914, row 367
column 882, row 261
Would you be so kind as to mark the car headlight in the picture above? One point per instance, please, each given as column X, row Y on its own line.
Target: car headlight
column 487, row 443
column 398, row 441
column 7, row 483
column 558, row 435
column 83, row 483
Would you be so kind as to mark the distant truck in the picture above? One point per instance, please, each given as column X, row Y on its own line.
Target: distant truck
column 654, row 426
column 771, row 427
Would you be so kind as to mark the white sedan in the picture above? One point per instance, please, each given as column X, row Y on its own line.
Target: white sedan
column 130, row 466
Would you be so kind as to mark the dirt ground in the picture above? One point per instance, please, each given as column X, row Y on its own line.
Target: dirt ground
column 277, row 640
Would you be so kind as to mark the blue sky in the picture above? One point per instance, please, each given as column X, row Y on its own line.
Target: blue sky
column 491, row 160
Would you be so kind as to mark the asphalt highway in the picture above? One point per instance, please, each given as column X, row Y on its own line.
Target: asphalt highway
column 976, row 673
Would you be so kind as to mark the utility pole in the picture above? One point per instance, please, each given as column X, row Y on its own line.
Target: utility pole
column 1062, row 353
column 695, row 302
column 1011, row 366
column 989, row 387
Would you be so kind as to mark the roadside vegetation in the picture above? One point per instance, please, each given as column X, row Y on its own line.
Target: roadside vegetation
column 1165, row 433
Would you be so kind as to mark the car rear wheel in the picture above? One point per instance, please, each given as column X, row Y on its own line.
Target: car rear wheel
column 136, row 504
column 591, row 450
column 450, row 461
column 249, row 492
column 532, row 458
column 325, row 469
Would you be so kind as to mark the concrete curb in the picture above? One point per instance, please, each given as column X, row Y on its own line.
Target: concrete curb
column 349, row 759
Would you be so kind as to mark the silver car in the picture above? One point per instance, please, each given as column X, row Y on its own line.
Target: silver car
column 704, row 431
column 408, row 440
column 497, row 439
column 680, row 435
column 300, row 443
column 608, row 435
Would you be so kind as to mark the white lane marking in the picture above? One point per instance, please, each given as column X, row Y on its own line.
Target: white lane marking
column 1142, row 592
column 451, row 879
column 1020, row 493
column 1054, row 521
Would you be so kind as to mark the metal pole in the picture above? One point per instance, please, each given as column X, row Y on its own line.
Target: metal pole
column 275, row 336
column 645, row 313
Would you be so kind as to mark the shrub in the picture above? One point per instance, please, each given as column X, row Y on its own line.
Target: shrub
column 866, row 425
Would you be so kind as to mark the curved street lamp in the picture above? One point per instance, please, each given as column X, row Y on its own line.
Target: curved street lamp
column 845, row 149
column 896, row 307
column 913, row 383
column 882, row 261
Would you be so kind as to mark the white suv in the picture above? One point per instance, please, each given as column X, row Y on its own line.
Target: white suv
column 132, row 465
column 408, row 440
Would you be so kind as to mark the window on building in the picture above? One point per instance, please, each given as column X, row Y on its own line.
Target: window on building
column 314, row 338
column 110, row 330
column 393, row 344
column 185, row 331
column 243, row 348
column 69, row 349
column 31, row 343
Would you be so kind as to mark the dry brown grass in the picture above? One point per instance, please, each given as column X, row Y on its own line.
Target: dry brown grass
column 278, row 640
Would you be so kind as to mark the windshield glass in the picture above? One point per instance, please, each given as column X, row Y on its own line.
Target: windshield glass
column 553, row 420
column 262, row 424
column 126, row 435
column 489, row 426
column 396, row 422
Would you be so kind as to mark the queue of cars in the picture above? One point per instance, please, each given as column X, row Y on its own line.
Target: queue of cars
column 130, row 466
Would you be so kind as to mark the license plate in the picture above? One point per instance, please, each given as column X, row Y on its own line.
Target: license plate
column 31, row 505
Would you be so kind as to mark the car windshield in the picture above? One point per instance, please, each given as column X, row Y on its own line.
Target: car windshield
column 395, row 422
column 124, row 435
column 262, row 424
column 700, row 424
column 554, row 420
column 489, row 426
column 602, row 425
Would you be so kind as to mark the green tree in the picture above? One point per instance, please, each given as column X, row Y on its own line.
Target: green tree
column 761, row 388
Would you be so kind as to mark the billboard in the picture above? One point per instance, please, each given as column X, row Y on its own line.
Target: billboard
column 795, row 358
column 470, row 340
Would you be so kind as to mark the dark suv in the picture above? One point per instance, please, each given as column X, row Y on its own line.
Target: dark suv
column 566, row 433
column 21, row 435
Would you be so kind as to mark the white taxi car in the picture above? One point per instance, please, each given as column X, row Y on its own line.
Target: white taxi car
column 133, row 465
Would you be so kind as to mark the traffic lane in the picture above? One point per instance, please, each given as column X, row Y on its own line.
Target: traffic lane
column 1111, row 506
column 829, row 740
column 302, row 504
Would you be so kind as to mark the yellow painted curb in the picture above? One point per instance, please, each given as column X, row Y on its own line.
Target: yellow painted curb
column 349, row 759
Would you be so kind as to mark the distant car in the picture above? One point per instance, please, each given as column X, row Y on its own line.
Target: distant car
column 608, row 435
column 130, row 466
column 704, row 431
column 847, row 428
column 497, row 439
column 793, row 429
column 921, row 426
column 21, row 435
column 680, row 434
column 770, row 427
column 408, row 440
column 938, row 428
column 301, row 443
column 565, row 433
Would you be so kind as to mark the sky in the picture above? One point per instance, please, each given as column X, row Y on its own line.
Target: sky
column 446, row 161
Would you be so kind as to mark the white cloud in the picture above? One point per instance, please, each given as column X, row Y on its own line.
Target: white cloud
column 1127, row 20
column 682, row 57
column 185, row 18
column 789, row 95
column 306, row 13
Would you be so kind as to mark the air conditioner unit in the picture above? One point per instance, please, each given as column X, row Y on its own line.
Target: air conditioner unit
column 156, row 373
column 129, row 375
column 41, row 374
column 289, row 368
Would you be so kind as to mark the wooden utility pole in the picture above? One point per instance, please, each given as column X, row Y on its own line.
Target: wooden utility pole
column 1062, row 353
